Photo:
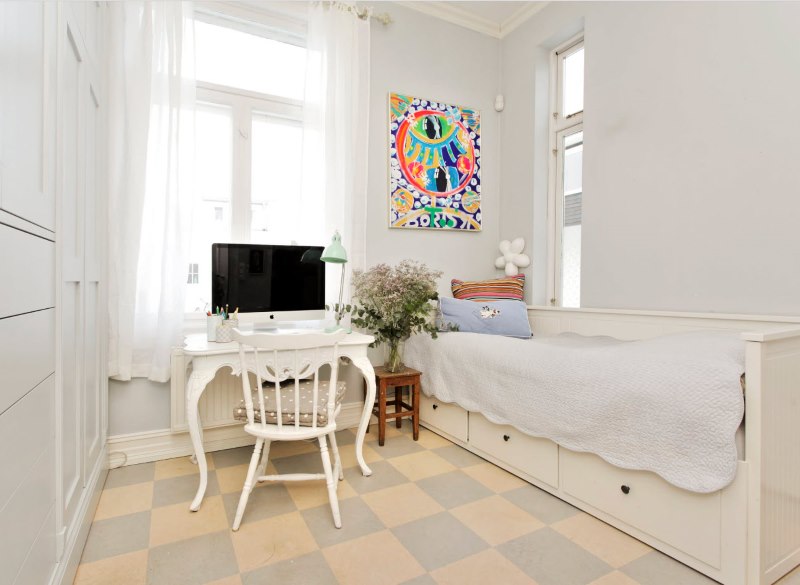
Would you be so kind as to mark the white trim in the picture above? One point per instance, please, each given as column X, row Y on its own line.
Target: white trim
column 464, row 18
column 75, row 538
column 520, row 16
column 150, row 446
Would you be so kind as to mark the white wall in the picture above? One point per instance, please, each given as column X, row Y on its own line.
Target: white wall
column 416, row 55
column 690, row 122
column 425, row 57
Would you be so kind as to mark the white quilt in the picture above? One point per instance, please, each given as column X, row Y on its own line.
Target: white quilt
column 670, row 405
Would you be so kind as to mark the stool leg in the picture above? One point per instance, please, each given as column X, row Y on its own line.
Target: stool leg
column 382, row 413
column 398, row 399
column 414, row 390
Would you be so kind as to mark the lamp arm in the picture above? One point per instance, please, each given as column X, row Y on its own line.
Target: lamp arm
column 340, row 310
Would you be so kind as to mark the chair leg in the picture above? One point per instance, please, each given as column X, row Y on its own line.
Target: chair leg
column 248, row 484
column 262, row 466
column 330, row 482
column 337, row 462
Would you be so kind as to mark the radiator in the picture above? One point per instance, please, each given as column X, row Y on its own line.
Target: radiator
column 222, row 394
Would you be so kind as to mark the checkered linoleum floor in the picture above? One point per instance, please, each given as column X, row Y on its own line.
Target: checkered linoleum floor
column 431, row 513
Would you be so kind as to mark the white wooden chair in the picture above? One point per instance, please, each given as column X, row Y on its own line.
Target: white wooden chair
column 293, row 405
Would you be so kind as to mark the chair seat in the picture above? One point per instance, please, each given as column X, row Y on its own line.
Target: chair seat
column 271, row 432
column 288, row 406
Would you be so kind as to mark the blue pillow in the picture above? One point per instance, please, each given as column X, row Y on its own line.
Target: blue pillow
column 509, row 318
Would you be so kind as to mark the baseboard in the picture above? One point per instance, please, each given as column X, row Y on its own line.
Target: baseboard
column 150, row 446
column 75, row 539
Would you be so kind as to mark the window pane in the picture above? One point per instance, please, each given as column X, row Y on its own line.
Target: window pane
column 571, row 229
column 211, row 216
column 573, row 83
column 276, row 179
column 226, row 56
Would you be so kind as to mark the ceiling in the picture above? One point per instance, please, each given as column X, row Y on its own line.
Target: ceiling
column 493, row 18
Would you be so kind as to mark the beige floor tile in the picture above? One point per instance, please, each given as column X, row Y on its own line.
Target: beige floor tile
column 124, row 500
column 310, row 494
column 232, row 580
column 431, row 440
column 609, row 544
column 231, row 479
column 420, row 465
column 372, row 435
column 615, row 578
column 400, row 504
column 496, row 479
column 348, row 455
column 127, row 569
column 376, row 559
column 488, row 566
column 179, row 466
column 496, row 520
column 176, row 522
column 272, row 540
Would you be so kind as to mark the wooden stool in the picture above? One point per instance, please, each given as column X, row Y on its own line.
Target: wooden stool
column 397, row 380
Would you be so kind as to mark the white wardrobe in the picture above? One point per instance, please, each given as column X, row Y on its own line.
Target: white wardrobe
column 52, row 299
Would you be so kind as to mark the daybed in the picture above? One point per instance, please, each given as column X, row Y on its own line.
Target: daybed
column 747, row 533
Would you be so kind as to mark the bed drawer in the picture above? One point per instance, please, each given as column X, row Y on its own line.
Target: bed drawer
column 451, row 419
column 686, row 520
column 531, row 455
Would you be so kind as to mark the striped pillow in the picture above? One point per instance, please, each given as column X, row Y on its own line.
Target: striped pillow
column 499, row 289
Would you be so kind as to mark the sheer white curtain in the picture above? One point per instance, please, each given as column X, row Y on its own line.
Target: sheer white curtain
column 151, row 121
column 336, row 119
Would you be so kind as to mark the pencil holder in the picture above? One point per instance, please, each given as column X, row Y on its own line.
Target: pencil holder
column 212, row 322
column 225, row 330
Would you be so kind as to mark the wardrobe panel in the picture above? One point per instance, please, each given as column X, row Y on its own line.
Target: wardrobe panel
column 27, row 354
column 27, row 264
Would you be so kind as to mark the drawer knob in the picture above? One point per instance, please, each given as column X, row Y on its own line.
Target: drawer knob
column 626, row 489
column 435, row 406
column 506, row 438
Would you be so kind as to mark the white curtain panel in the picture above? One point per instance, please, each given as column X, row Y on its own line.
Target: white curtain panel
column 151, row 115
column 336, row 119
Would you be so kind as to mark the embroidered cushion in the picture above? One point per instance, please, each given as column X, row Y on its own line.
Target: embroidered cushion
column 511, row 287
column 509, row 318
column 287, row 403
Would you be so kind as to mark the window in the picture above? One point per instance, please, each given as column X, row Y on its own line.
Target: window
column 565, row 206
column 248, row 140
column 192, row 278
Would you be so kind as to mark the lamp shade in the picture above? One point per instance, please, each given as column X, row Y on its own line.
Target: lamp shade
column 335, row 252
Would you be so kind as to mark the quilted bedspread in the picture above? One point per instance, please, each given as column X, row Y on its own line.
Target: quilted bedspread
column 670, row 405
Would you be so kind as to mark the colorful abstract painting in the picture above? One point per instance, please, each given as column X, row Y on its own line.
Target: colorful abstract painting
column 435, row 165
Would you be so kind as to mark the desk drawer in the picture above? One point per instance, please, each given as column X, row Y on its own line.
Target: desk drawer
column 686, row 520
column 448, row 418
column 531, row 455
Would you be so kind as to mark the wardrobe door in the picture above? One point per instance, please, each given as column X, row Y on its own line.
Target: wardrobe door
column 70, row 235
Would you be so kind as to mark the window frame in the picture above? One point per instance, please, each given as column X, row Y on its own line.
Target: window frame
column 560, row 127
column 244, row 104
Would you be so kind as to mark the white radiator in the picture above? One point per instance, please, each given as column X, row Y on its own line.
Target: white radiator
column 222, row 394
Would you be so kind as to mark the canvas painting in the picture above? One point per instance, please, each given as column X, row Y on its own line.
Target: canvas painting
column 435, row 165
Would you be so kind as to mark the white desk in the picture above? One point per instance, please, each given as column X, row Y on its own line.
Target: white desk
column 208, row 357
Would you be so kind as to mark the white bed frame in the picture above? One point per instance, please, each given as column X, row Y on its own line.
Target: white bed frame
column 745, row 534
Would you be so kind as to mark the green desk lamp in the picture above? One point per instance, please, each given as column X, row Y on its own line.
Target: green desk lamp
column 336, row 254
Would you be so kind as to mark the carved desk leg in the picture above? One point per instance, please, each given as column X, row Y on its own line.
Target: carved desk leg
column 364, row 365
column 194, row 389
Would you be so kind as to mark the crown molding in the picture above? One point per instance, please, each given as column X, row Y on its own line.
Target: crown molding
column 458, row 16
column 454, row 15
column 520, row 16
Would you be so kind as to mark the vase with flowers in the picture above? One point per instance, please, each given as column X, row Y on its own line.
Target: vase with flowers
column 394, row 302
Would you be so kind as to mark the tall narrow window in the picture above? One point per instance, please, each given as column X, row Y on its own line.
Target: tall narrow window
column 566, row 190
column 248, row 129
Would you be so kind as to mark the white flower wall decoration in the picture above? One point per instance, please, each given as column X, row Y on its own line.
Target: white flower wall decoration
column 512, row 258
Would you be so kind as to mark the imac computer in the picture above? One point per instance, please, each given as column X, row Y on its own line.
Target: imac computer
column 269, row 284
